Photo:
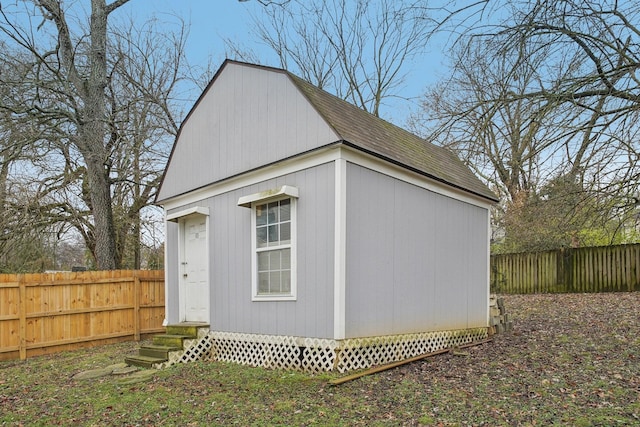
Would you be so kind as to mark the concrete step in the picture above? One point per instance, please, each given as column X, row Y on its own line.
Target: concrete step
column 159, row 351
column 143, row 361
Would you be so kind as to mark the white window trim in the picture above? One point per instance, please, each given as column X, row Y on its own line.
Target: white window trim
column 253, row 200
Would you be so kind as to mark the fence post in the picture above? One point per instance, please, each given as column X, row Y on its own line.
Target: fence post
column 568, row 270
column 628, row 257
column 22, row 310
column 136, row 306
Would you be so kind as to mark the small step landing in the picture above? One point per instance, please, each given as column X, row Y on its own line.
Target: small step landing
column 173, row 340
column 156, row 350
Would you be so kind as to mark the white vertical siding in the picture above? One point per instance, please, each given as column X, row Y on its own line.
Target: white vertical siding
column 416, row 260
column 247, row 118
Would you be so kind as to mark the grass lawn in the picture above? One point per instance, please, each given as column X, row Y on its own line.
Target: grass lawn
column 571, row 360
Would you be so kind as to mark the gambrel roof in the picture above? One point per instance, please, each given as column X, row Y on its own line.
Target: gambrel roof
column 348, row 125
column 365, row 131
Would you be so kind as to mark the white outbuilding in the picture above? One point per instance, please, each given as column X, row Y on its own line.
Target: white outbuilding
column 310, row 234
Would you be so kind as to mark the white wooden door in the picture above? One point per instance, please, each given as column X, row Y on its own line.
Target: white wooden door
column 195, row 281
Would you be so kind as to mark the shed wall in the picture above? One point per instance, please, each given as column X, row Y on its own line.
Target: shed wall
column 416, row 260
column 247, row 119
column 232, row 309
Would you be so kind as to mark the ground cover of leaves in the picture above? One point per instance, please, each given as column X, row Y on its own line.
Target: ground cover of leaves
column 570, row 360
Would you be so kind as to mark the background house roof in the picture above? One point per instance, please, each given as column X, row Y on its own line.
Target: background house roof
column 372, row 134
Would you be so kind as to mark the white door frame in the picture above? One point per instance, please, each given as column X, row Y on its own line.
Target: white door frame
column 182, row 236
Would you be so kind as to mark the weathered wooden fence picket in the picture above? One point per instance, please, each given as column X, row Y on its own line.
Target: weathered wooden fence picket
column 45, row 313
column 591, row 269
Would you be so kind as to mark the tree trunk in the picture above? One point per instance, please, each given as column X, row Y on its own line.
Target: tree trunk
column 136, row 232
column 100, row 192
column 92, row 132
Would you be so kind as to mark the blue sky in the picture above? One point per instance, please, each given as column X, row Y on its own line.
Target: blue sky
column 211, row 21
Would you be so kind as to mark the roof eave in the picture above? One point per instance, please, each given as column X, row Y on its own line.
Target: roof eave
column 486, row 197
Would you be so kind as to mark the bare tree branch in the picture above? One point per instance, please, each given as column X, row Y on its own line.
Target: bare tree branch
column 359, row 50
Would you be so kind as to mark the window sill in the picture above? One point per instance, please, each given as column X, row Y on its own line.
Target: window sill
column 260, row 298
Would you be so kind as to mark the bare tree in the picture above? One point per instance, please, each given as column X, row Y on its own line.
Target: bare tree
column 147, row 70
column 605, row 35
column 504, row 142
column 360, row 50
column 101, row 99
column 21, row 243
column 70, row 76
column 548, row 95
column 603, row 87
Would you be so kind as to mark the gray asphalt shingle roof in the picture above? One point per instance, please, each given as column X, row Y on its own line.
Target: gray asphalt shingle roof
column 367, row 132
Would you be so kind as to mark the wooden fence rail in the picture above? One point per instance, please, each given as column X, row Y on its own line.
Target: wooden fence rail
column 592, row 269
column 45, row 313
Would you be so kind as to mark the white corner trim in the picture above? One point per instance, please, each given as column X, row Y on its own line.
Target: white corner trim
column 488, row 267
column 340, row 247
column 285, row 190
column 194, row 210
column 166, row 275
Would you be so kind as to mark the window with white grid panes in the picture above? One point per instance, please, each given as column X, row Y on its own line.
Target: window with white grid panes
column 274, row 273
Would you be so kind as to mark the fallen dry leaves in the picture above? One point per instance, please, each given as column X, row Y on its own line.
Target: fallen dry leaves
column 570, row 360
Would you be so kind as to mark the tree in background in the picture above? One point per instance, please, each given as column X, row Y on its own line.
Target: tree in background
column 98, row 101
column 506, row 143
column 561, row 214
column 359, row 50
column 22, row 243
column 545, row 105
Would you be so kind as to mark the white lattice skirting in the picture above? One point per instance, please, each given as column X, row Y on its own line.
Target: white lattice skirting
column 316, row 355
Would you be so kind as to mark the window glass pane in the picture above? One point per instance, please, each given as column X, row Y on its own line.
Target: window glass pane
column 261, row 214
column 273, row 212
column 261, row 237
column 274, row 281
column 286, row 259
column 285, row 232
column 274, row 263
column 263, row 283
column 285, row 210
column 273, row 229
column 285, row 280
column 263, row 261
column 273, row 235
